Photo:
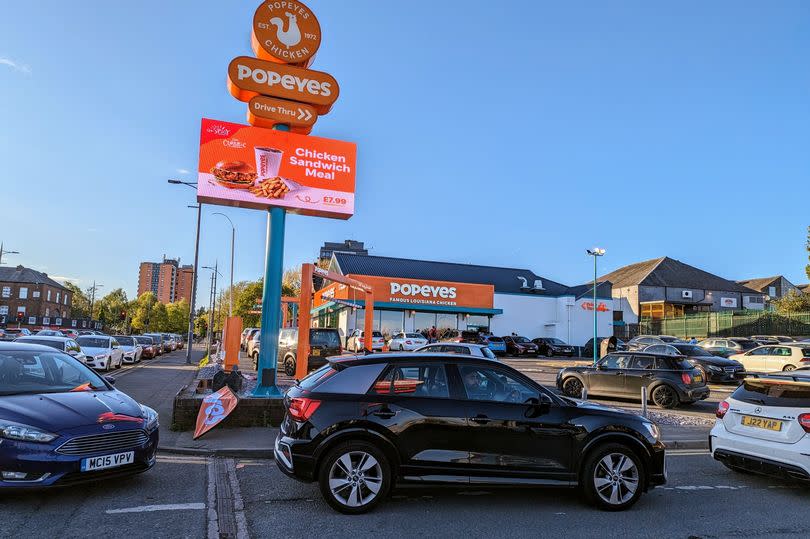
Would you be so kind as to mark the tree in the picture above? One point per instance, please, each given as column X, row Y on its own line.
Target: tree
column 112, row 309
column 141, row 312
column 79, row 303
column 160, row 318
column 201, row 323
column 177, row 314
column 807, row 246
column 793, row 302
column 291, row 282
column 245, row 302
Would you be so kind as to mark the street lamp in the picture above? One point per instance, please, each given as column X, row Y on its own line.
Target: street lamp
column 93, row 298
column 233, row 239
column 213, row 297
column 596, row 252
column 6, row 252
column 194, row 276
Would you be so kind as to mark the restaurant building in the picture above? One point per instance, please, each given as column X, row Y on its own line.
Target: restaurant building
column 415, row 295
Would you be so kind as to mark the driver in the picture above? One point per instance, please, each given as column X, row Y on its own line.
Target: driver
column 472, row 382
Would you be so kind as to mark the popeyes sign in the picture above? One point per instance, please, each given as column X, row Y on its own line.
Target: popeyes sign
column 423, row 292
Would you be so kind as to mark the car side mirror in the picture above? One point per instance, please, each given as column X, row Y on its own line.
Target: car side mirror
column 538, row 406
column 600, row 367
column 110, row 380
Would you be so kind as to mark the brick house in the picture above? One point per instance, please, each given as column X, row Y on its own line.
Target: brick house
column 39, row 299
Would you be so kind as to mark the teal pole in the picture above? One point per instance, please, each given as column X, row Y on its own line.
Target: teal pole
column 271, row 301
column 595, row 355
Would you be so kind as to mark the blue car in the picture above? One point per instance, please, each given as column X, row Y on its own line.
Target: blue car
column 496, row 344
column 63, row 424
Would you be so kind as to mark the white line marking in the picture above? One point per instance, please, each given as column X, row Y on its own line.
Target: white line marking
column 213, row 518
column 165, row 507
column 686, row 452
column 238, row 504
column 702, row 487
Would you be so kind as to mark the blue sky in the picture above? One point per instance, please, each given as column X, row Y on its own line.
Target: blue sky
column 514, row 135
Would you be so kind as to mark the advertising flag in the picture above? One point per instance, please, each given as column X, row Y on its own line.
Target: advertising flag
column 215, row 407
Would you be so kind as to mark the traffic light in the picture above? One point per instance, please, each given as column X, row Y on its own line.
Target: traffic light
column 20, row 317
column 123, row 315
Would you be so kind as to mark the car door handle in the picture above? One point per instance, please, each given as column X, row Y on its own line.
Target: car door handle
column 384, row 413
column 648, row 375
column 481, row 419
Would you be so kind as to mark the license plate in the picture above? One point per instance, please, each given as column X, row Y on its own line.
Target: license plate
column 108, row 461
column 761, row 423
column 698, row 378
column 316, row 352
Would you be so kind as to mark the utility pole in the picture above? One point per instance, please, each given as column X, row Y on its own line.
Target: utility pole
column 212, row 300
column 6, row 252
column 93, row 299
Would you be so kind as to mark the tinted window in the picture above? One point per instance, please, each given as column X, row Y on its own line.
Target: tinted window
column 643, row 362
column 59, row 345
column 353, row 381
column 93, row 342
column 376, row 334
column 615, row 362
column 745, row 344
column 414, row 381
column 126, row 341
column 488, row 353
column 521, row 339
column 764, row 351
column 690, row 350
column 455, row 349
column 414, row 336
column 679, row 364
column 487, row 384
column 144, row 340
column 322, row 337
column 494, row 339
column 315, row 377
column 771, row 393
column 554, row 341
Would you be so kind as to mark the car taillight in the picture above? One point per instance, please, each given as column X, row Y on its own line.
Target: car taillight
column 686, row 377
column 804, row 421
column 302, row 408
column 722, row 408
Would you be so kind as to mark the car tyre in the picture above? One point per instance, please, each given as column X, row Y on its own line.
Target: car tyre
column 548, row 352
column 788, row 368
column 572, row 387
column 354, row 477
column 613, row 477
column 665, row 397
column 289, row 366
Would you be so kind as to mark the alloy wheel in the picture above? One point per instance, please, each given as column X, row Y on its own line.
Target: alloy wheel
column 355, row 479
column 573, row 388
column 789, row 368
column 665, row 397
column 616, row 478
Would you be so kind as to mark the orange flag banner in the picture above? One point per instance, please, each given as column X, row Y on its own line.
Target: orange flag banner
column 215, row 407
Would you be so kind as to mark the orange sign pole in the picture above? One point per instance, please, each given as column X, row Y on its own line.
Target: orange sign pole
column 368, row 321
column 304, row 316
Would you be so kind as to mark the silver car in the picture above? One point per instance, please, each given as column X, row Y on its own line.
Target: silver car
column 467, row 349
column 65, row 344
column 133, row 350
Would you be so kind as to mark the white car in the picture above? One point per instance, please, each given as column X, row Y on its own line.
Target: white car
column 764, row 426
column 102, row 352
column 131, row 347
column 355, row 341
column 775, row 358
column 407, row 341
column 65, row 344
column 467, row 349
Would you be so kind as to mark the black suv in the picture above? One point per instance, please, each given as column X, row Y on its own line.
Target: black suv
column 323, row 342
column 550, row 346
column 359, row 425
column 670, row 380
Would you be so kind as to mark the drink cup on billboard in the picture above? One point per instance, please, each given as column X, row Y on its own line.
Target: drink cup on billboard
column 268, row 161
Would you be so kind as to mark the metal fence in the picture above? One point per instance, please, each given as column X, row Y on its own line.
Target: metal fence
column 728, row 324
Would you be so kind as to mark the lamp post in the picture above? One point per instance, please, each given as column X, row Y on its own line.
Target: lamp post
column 6, row 252
column 212, row 300
column 596, row 252
column 193, row 302
column 93, row 298
column 233, row 239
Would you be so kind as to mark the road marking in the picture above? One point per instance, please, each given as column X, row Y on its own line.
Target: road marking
column 164, row 507
column 687, row 452
column 703, row 487
column 238, row 504
column 213, row 518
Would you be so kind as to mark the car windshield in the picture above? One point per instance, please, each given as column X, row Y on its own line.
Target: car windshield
column 143, row 340
column 668, row 338
column 324, row 337
column 745, row 344
column 521, row 339
column 93, row 342
column 691, row 350
column 125, row 341
column 554, row 340
column 23, row 371
column 413, row 335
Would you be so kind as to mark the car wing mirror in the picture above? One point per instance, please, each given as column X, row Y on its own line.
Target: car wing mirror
column 110, row 380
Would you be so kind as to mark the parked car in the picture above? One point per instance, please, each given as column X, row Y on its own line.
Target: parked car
column 764, row 427
column 169, row 339
column 784, row 338
column 643, row 341
column 131, row 348
column 785, row 357
column 157, row 338
column 496, row 344
column 91, row 332
column 72, row 333
column 6, row 336
column 50, row 333
column 355, row 341
column 55, row 422
column 13, row 333
column 150, row 349
column 717, row 369
column 762, row 340
column 466, row 349
column 670, row 380
column 662, row 349
column 103, row 352
column 407, row 341
column 323, row 343
column 245, row 337
column 551, row 346
column 426, row 411
column 587, row 350
column 252, row 347
column 519, row 346
column 181, row 343
column 727, row 346
column 63, row 344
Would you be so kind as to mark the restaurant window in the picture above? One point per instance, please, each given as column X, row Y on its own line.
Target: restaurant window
column 391, row 322
column 477, row 321
column 23, row 292
column 422, row 322
column 447, row 325
column 360, row 320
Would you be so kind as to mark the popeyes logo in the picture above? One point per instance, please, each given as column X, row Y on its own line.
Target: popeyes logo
column 424, row 290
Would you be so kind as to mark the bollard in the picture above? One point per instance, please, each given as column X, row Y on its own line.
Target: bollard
column 644, row 401
column 584, row 393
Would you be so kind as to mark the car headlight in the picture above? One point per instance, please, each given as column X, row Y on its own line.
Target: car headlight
column 653, row 429
column 151, row 417
column 101, row 356
column 713, row 368
column 24, row 433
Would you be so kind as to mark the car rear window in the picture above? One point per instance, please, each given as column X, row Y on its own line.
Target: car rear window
column 746, row 344
column 494, row 339
column 376, row 334
column 354, row 380
column 680, row 364
column 126, row 341
column 315, row 377
column 770, row 392
column 414, row 335
column 323, row 337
